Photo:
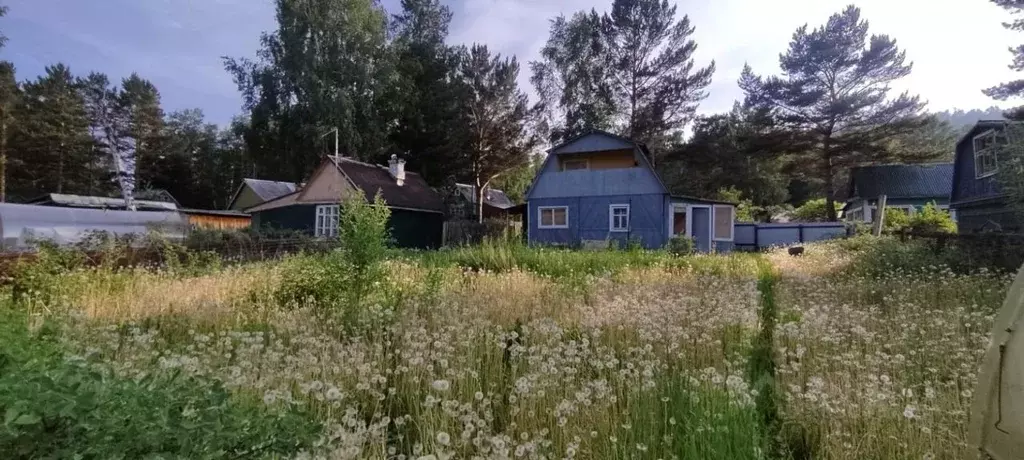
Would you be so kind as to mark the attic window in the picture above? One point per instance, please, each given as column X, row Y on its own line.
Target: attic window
column 986, row 148
column 573, row 165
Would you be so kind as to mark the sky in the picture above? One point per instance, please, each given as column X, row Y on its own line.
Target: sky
column 958, row 47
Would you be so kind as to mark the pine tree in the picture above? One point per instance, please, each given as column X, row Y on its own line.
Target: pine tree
column 630, row 71
column 571, row 78
column 10, row 97
column 496, row 118
column 51, row 147
column 1013, row 88
column 650, row 54
column 833, row 99
column 139, row 103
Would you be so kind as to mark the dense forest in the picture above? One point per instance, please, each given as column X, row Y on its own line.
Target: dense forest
column 392, row 83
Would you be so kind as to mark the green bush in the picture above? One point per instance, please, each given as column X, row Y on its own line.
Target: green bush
column 813, row 211
column 931, row 219
column 347, row 282
column 681, row 245
column 896, row 219
column 59, row 408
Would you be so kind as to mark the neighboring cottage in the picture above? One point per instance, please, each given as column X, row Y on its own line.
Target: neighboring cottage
column 600, row 187
column 979, row 203
column 417, row 211
column 257, row 191
column 496, row 203
column 907, row 187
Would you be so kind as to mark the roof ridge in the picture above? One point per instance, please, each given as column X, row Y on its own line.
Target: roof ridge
column 372, row 165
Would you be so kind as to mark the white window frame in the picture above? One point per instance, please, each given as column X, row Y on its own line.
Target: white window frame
column 585, row 161
column 611, row 218
column 732, row 222
column 992, row 151
column 326, row 223
column 540, row 220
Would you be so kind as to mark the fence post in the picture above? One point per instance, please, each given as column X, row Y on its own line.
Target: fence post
column 880, row 215
column 800, row 232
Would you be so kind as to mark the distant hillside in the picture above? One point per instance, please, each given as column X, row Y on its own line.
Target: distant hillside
column 962, row 120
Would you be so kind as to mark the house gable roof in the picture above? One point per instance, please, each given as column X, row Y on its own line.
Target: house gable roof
column 265, row 189
column 492, row 197
column 901, row 181
column 413, row 194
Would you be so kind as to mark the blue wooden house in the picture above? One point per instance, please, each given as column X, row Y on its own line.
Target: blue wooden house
column 906, row 187
column 979, row 203
column 601, row 187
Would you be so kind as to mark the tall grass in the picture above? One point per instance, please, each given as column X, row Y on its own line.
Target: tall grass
column 489, row 352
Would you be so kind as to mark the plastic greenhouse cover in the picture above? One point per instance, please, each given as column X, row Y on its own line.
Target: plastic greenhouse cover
column 21, row 225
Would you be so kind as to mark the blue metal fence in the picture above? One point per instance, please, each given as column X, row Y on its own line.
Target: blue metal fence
column 754, row 237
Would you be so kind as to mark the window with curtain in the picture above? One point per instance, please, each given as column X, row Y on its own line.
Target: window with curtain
column 724, row 218
column 553, row 217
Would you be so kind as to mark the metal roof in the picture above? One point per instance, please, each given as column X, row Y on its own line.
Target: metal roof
column 268, row 189
column 100, row 202
column 902, row 181
column 492, row 197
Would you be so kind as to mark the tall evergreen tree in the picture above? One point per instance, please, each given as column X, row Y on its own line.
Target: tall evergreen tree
column 833, row 97
column 139, row 103
column 1013, row 88
column 326, row 66
column 654, row 82
column 427, row 103
column 737, row 150
column 51, row 147
column 496, row 120
column 3, row 38
column 571, row 78
column 10, row 97
column 631, row 71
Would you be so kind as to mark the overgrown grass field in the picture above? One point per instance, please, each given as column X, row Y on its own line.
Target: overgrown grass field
column 860, row 349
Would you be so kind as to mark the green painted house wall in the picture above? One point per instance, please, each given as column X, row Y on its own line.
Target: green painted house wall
column 409, row 229
column 246, row 199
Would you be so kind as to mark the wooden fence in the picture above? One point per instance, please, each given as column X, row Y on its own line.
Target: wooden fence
column 467, row 232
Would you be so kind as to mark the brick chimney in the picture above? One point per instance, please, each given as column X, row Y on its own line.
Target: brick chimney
column 397, row 169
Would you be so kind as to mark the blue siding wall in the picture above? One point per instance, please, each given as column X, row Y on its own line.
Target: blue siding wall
column 589, row 220
column 967, row 187
column 553, row 183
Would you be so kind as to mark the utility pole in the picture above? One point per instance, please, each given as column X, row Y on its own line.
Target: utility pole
column 880, row 215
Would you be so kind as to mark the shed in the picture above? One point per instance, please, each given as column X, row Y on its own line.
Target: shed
column 216, row 220
column 257, row 191
column 496, row 203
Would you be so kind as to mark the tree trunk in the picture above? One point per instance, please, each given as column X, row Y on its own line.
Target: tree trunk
column 3, row 161
column 830, row 201
column 479, row 202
